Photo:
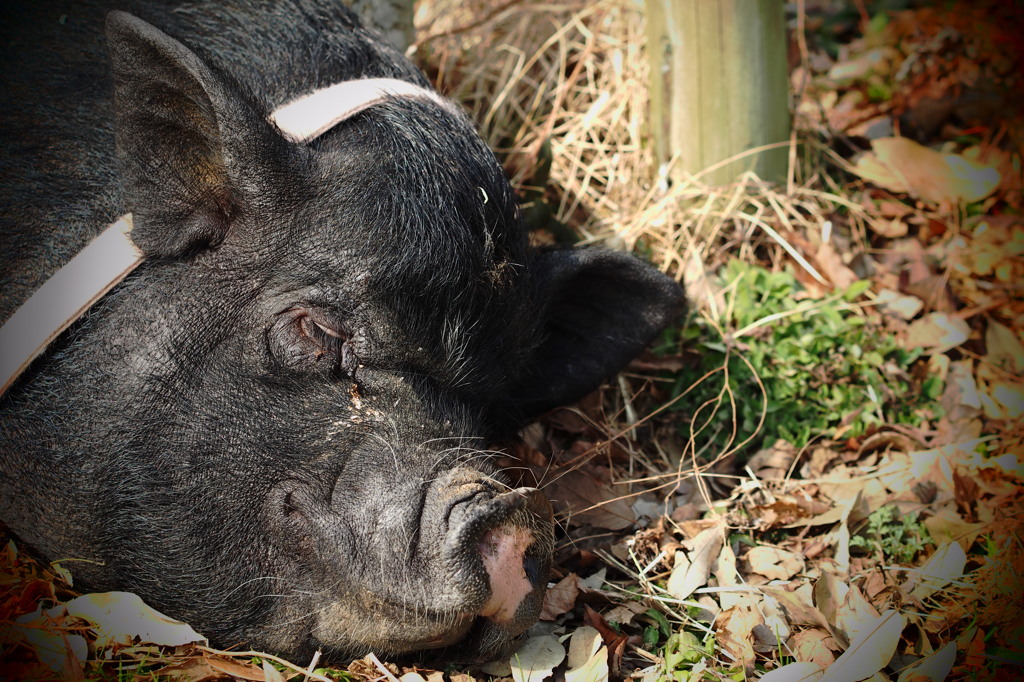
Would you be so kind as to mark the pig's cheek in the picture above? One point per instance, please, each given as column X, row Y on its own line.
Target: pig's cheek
column 503, row 550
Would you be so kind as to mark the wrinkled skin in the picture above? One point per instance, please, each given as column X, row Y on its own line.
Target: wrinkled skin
column 274, row 429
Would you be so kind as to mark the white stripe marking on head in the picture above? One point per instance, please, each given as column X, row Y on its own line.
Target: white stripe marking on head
column 312, row 115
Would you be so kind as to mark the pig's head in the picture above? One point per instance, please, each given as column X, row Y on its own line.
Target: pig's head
column 307, row 369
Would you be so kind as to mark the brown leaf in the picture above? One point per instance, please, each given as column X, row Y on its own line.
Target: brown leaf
column 831, row 265
column 589, row 501
column 774, row 563
column 946, row 525
column 1004, row 347
column 692, row 569
column 937, row 332
column 597, row 621
column 854, row 614
column 815, row 646
column 561, row 597
column 870, row 651
column 902, row 165
column 798, row 610
column 237, row 669
column 828, row 596
column 965, row 491
column 892, row 229
column 735, row 631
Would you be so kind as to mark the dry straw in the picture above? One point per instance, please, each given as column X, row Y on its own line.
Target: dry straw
column 569, row 81
column 572, row 78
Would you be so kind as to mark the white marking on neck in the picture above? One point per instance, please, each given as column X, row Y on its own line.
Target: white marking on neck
column 312, row 115
column 65, row 297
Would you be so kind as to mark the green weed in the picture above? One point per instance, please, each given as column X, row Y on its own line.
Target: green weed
column 899, row 538
column 778, row 365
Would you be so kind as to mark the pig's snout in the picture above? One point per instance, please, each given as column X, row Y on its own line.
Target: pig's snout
column 512, row 573
column 504, row 542
column 516, row 557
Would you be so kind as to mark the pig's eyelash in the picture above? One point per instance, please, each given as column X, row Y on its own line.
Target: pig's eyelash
column 326, row 338
column 328, row 330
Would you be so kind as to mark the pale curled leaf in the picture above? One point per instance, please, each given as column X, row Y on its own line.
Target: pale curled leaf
column 774, row 563
column 408, row 677
column 901, row 305
column 855, row 614
column 537, row 659
column 121, row 616
column 902, row 165
column 943, row 567
column 583, row 644
column 272, row 674
column 800, row 671
column 1004, row 347
column 937, row 332
column 691, row 570
column 588, row 657
column 934, row 667
column 869, row 652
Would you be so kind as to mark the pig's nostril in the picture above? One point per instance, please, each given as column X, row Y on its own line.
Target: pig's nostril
column 534, row 570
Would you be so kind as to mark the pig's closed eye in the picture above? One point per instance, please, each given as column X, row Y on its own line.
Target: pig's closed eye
column 323, row 335
column 306, row 338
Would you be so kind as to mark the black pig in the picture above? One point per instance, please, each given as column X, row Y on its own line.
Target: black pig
column 273, row 428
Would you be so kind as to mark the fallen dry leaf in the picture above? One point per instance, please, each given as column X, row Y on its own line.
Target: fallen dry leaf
column 893, row 228
column 869, row 652
column 934, row 668
column 236, row 669
column 561, row 597
column 947, row 525
column 1004, row 347
column 903, row 306
column 735, row 630
column 407, row 677
column 795, row 672
column 960, row 397
column 119, row 617
column 813, row 645
column 588, row 657
column 589, row 501
column 692, row 568
column 855, row 614
column 44, row 632
column 798, row 607
column 1001, row 394
column 725, row 574
column 536, row 659
column 901, row 165
column 774, row 563
column 943, row 567
column 937, row 332
column 829, row 593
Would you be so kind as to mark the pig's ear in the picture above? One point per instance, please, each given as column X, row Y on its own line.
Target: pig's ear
column 600, row 308
column 181, row 131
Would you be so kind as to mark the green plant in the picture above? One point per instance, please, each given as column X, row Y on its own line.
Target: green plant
column 776, row 364
column 899, row 538
column 682, row 651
